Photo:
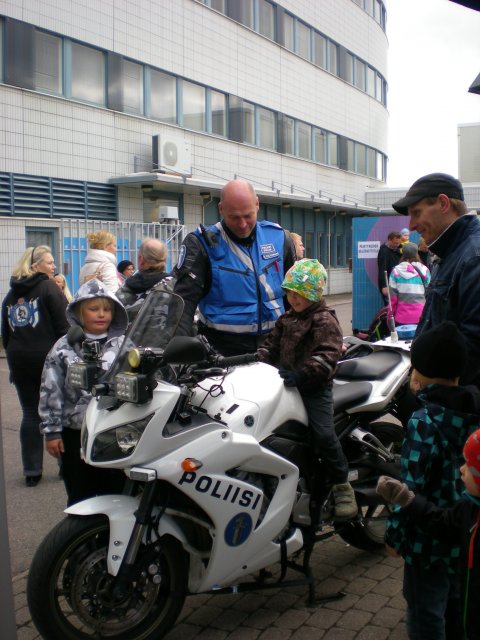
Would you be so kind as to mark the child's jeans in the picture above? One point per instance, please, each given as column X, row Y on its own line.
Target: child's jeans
column 319, row 406
column 433, row 604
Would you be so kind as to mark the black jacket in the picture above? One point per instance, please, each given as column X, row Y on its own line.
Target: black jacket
column 387, row 258
column 33, row 318
column 135, row 289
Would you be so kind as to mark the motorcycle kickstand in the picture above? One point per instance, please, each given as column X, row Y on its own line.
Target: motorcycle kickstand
column 314, row 600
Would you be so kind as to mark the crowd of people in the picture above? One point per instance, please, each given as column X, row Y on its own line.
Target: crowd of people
column 403, row 277
column 247, row 288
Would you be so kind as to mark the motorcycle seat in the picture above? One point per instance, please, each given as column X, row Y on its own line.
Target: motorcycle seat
column 348, row 395
column 375, row 366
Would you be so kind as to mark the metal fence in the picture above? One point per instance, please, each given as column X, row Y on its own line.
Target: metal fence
column 68, row 239
column 129, row 236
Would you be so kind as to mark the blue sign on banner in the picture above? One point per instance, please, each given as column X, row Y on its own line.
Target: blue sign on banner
column 368, row 235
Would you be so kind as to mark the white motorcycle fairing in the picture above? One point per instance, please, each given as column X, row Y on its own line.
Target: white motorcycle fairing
column 240, row 517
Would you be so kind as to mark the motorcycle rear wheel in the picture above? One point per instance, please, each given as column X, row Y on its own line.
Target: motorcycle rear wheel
column 69, row 590
column 368, row 532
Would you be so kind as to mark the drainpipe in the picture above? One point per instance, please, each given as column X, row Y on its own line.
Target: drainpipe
column 329, row 253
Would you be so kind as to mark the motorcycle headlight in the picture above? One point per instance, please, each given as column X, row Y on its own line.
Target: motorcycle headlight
column 132, row 387
column 119, row 442
column 82, row 375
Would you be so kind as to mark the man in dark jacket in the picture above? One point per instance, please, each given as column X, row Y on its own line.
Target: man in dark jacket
column 388, row 257
column 233, row 271
column 152, row 261
column 437, row 210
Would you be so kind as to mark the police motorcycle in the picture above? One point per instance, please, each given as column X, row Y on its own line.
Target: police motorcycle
column 223, row 493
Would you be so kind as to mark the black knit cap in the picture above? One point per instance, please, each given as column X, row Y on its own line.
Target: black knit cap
column 440, row 352
column 121, row 266
column 429, row 186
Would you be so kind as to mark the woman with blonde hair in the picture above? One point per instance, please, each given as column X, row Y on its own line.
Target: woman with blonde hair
column 33, row 318
column 101, row 261
column 62, row 283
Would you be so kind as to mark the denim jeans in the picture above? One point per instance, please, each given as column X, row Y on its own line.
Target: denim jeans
column 433, row 603
column 319, row 406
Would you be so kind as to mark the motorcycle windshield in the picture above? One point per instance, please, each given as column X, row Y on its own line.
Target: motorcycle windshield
column 153, row 328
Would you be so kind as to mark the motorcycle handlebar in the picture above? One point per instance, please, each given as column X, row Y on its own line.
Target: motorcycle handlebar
column 232, row 361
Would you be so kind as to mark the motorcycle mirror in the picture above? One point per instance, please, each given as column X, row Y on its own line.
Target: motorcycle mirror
column 184, row 350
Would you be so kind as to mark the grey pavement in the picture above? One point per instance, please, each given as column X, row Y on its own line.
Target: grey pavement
column 373, row 606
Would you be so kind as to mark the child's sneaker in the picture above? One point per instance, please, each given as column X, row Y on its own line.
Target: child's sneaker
column 345, row 505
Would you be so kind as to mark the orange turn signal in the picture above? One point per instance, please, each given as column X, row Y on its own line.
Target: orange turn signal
column 190, row 464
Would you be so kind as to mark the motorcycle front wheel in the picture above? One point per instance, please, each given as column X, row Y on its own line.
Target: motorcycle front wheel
column 71, row 595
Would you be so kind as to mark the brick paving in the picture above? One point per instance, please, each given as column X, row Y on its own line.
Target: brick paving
column 372, row 609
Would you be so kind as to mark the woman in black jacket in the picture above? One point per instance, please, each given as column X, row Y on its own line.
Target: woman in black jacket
column 33, row 318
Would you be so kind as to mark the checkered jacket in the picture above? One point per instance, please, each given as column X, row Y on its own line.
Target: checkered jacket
column 431, row 457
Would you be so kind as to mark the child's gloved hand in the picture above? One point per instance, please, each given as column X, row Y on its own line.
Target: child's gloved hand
column 291, row 378
column 394, row 491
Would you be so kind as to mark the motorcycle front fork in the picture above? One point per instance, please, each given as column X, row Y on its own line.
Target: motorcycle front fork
column 127, row 571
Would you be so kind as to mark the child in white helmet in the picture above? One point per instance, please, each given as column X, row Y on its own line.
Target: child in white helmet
column 305, row 345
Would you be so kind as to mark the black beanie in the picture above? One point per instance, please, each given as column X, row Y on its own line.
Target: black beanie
column 121, row 266
column 440, row 352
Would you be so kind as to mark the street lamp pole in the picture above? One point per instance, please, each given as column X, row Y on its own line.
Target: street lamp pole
column 9, row 630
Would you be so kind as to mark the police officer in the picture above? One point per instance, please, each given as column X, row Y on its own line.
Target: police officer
column 233, row 272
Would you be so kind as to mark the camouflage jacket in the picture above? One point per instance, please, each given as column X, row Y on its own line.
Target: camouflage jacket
column 60, row 404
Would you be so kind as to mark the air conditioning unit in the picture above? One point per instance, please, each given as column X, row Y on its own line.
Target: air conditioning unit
column 171, row 155
column 168, row 213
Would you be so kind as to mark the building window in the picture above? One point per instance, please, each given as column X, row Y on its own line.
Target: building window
column 332, row 158
column 248, row 122
column 287, row 135
column 350, row 155
column 163, row 96
column 320, row 50
column 266, row 128
column 380, row 166
column 371, row 162
column 360, row 159
column 88, row 74
column 303, row 40
column 266, row 19
column 48, row 62
column 333, row 57
column 320, row 146
column 218, row 5
column 1, row 50
column 371, row 81
column 288, row 23
column 359, row 74
column 193, row 106
column 304, row 137
column 218, row 111
column 349, row 66
column 241, row 11
column 132, row 87
column 379, row 90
